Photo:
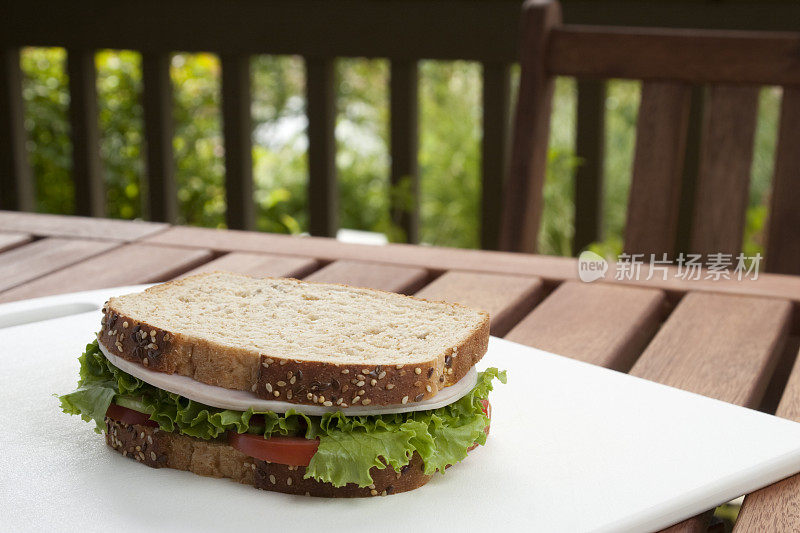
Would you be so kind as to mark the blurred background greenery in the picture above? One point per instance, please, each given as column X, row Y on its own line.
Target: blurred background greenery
column 449, row 156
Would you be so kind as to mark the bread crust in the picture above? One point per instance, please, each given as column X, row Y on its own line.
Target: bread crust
column 160, row 449
column 295, row 381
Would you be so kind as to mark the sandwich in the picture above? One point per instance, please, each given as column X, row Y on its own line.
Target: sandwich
column 303, row 388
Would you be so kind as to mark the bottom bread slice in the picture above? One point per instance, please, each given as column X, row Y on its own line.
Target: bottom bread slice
column 161, row 449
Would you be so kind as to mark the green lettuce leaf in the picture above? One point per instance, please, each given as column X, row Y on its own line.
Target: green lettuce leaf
column 96, row 388
column 348, row 446
column 347, row 456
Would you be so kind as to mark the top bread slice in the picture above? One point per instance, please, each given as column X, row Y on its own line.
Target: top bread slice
column 290, row 340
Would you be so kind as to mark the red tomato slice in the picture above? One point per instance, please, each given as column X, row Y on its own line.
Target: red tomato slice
column 129, row 416
column 487, row 408
column 292, row 451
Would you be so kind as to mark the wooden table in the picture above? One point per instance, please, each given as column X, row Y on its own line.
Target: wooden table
column 736, row 341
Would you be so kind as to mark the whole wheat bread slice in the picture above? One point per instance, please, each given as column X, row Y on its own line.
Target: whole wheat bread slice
column 161, row 449
column 296, row 341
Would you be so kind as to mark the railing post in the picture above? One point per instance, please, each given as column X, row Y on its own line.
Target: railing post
column 494, row 148
column 404, row 176
column 162, row 195
column 589, row 147
column 523, row 193
column 16, row 179
column 87, row 172
column 237, row 131
column 323, row 205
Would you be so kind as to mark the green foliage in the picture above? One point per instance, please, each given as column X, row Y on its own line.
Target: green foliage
column 450, row 153
column 362, row 142
column 119, row 86
column 44, row 90
column 622, row 111
column 449, row 156
column 762, row 170
column 199, row 152
column 558, row 215
column 279, row 144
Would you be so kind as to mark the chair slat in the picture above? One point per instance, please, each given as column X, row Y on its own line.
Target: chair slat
column 323, row 198
column 506, row 298
column 404, row 173
column 775, row 508
column 722, row 189
column 258, row 265
column 237, row 131
column 783, row 241
column 402, row 279
column 589, row 148
column 691, row 166
column 162, row 193
column 721, row 346
column 522, row 195
column 653, row 203
column 87, row 170
column 121, row 266
column 495, row 145
column 31, row 261
column 16, row 178
column 599, row 323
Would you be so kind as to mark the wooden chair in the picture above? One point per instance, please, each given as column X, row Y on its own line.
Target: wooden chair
column 731, row 65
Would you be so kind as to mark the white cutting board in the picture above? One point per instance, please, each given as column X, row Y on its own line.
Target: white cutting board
column 573, row 447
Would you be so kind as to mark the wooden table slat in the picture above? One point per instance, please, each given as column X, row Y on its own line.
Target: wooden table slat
column 391, row 278
column 44, row 225
column 259, row 265
column 776, row 507
column 506, row 298
column 36, row 259
column 12, row 240
column 721, row 346
column 551, row 269
column 697, row 524
column 601, row 324
column 126, row 265
column 430, row 257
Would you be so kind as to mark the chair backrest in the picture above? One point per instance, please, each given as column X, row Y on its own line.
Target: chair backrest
column 732, row 65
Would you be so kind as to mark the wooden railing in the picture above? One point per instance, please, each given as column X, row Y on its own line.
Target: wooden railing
column 404, row 31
